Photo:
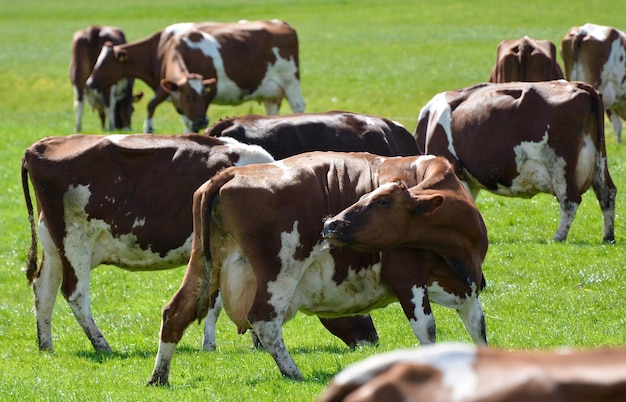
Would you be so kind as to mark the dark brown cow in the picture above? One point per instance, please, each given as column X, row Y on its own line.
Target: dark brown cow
column 336, row 131
column 459, row 372
column 596, row 54
column 145, row 59
column 230, row 64
column 257, row 239
column 143, row 232
column 519, row 139
column 526, row 59
column 115, row 107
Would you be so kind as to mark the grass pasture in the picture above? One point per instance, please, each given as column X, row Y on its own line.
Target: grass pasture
column 381, row 57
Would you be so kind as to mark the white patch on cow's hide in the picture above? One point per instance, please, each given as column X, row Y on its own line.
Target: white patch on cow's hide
column 423, row 325
column 89, row 242
column 248, row 154
column 307, row 285
column 116, row 138
column 611, row 83
column 540, row 170
column 179, row 27
column 196, row 85
column 454, row 360
column 440, row 113
column 586, row 163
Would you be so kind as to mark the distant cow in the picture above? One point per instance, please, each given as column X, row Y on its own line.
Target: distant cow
column 230, row 64
column 329, row 131
column 115, row 107
column 238, row 78
column 596, row 54
column 526, row 59
column 459, row 372
column 519, row 139
column 128, row 202
column 257, row 239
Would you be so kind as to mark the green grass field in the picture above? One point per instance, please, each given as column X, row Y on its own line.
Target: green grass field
column 381, row 57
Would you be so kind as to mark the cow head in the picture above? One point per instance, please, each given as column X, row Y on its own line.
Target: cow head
column 109, row 69
column 379, row 220
column 191, row 96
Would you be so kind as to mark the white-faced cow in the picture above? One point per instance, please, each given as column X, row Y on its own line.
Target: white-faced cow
column 596, row 54
column 115, row 106
column 519, row 139
column 266, row 69
column 526, row 59
column 127, row 201
column 336, row 131
column 258, row 240
column 460, row 372
column 230, row 64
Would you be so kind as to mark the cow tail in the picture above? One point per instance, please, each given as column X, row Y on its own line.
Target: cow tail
column 204, row 201
column 31, row 259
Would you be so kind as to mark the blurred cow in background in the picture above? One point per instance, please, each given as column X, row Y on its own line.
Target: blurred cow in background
column 596, row 54
column 115, row 106
column 526, row 59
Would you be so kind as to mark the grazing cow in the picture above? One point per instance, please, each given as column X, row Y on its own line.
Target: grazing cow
column 336, row 131
column 257, row 239
column 596, row 54
column 460, row 372
column 238, row 78
column 117, row 194
column 230, row 64
column 519, row 139
column 526, row 59
column 115, row 107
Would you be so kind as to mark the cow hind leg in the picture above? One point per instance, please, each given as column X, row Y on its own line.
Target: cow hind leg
column 616, row 122
column 568, row 212
column 46, row 287
column 606, row 193
column 270, row 334
column 474, row 320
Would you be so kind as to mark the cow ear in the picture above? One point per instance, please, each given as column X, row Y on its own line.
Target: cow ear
column 209, row 84
column 121, row 56
column 168, row 85
column 426, row 204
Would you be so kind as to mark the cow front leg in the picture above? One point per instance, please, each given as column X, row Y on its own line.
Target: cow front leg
column 474, row 320
column 159, row 96
column 420, row 315
column 270, row 334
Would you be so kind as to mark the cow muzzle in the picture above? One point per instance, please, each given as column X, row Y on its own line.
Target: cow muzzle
column 200, row 124
column 335, row 232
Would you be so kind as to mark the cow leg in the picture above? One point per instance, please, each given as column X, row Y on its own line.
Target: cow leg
column 568, row 212
column 474, row 320
column 159, row 96
column 79, row 301
column 78, row 110
column 616, row 122
column 210, row 326
column 272, row 106
column 406, row 272
column 109, row 111
column 46, row 287
column 293, row 93
column 270, row 334
column 606, row 192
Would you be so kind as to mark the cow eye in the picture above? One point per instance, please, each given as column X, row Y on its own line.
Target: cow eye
column 383, row 201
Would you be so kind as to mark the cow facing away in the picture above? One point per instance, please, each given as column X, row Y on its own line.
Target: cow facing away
column 149, row 230
column 526, row 59
column 257, row 240
column 460, row 372
column 115, row 106
column 230, row 64
column 329, row 131
column 519, row 139
column 596, row 54
column 234, row 83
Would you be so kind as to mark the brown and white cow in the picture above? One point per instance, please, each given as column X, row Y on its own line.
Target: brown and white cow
column 230, row 64
column 267, row 73
column 521, row 138
column 137, row 216
column 460, row 372
column 257, row 239
column 115, row 107
column 329, row 131
column 596, row 54
column 526, row 59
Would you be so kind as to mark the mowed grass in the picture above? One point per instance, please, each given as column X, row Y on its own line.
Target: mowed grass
column 382, row 57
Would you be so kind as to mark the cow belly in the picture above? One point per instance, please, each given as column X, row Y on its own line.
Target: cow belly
column 90, row 242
